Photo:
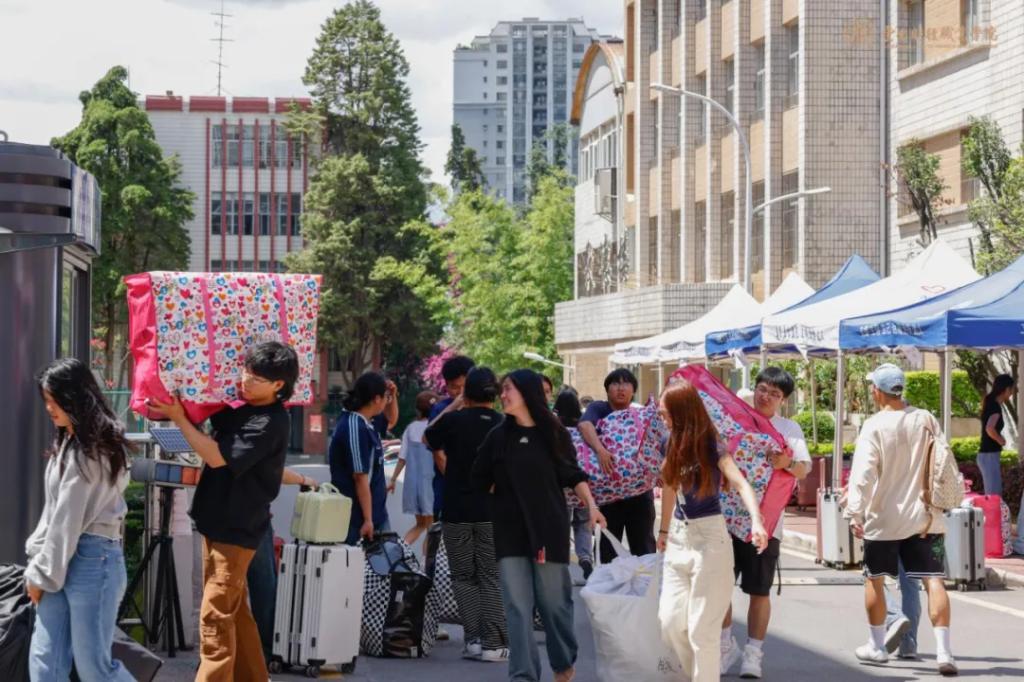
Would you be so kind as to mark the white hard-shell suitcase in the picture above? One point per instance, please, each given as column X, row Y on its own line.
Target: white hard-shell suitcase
column 965, row 547
column 319, row 608
column 839, row 547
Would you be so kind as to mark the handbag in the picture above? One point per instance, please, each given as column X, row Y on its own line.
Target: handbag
column 321, row 515
column 943, row 485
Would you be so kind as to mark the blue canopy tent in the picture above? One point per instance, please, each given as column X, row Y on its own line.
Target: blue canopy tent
column 986, row 314
column 854, row 274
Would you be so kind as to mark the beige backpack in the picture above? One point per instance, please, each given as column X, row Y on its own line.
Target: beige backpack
column 943, row 486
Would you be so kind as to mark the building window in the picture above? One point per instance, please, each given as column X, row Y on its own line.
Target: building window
column 265, row 149
column 915, row 32
column 230, row 203
column 248, row 145
column 264, row 214
column 793, row 64
column 576, row 64
column 730, row 85
column 502, row 63
column 231, row 148
column 579, row 48
column 702, row 110
column 501, row 128
column 757, row 231
column 971, row 21
column 248, row 213
column 702, row 9
column 296, row 215
column 217, row 146
column 728, row 232
column 215, row 216
column 499, row 161
column 759, row 82
column 700, row 241
column 502, row 48
column 502, row 96
column 502, row 80
column 282, row 215
column 790, row 221
column 216, row 265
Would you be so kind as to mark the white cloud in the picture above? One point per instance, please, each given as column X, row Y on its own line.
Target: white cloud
column 53, row 50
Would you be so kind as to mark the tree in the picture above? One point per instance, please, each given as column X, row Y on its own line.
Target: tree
column 918, row 172
column 555, row 141
column 463, row 163
column 363, row 213
column 144, row 209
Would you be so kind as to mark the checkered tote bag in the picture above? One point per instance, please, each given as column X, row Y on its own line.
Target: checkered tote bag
column 396, row 620
column 441, row 598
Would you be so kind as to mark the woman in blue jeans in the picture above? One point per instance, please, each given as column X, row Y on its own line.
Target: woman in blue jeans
column 992, row 440
column 75, row 574
column 527, row 462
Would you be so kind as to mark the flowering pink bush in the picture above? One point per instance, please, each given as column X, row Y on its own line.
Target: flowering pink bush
column 430, row 371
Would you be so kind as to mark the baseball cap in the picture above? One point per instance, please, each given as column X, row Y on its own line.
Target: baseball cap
column 887, row 378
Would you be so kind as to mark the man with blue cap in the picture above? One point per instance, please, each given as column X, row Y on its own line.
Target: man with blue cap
column 886, row 507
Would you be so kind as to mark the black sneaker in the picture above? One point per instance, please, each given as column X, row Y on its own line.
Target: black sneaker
column 587, row 568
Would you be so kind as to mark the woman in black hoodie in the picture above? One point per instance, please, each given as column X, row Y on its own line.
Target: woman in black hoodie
column 527, row 463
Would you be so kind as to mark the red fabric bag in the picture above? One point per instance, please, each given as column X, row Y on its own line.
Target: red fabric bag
column 992, row 506
column 751, row 439
column 188, row 333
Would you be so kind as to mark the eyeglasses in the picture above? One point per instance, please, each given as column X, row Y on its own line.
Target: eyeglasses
column 248, row 378
column 620, row 384
column 773, row 393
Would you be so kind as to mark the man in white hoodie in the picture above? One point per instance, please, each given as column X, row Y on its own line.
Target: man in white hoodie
column 886, row 507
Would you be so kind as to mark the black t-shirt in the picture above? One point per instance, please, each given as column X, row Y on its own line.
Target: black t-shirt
column 232, row 502
column 528, row 508
column 987, row 443
column 460, row 434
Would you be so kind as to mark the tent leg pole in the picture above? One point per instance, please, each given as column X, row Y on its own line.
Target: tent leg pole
column 814, row 404
column 1020, row 402
column 661, row 377
column 837, row 453
column 946, row 366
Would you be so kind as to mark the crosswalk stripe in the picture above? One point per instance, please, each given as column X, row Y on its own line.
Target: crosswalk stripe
column 1010, row 611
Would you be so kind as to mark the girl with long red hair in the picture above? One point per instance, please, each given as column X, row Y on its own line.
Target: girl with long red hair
column 698, row 570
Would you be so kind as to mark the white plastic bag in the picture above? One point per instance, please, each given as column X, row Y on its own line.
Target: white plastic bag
column 622, row 601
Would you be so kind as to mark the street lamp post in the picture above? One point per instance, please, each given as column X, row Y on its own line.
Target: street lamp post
column 748, row 230
column 537, row 357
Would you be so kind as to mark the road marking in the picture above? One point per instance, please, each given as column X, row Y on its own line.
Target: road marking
column 826, row 580
column 1010, row 611
column 974, row 601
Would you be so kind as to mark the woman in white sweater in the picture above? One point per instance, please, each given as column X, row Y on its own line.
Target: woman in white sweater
column 75, row 574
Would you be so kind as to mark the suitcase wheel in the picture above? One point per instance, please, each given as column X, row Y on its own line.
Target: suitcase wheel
column 962, row 587
column 312, row 671
column 348, row 668
column 275, row 667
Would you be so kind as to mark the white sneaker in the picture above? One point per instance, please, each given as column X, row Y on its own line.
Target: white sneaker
column 472, row 650
column 495, row 655
column 894, row 633
column 751, row 667
column 947, row 666
column 869, row 653
column 730, row 654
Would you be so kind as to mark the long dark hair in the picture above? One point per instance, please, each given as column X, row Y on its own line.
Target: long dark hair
column 100, row 437
column 530, row 386
column 688, row 462
column 567, row 407
column 999, row 386
column 367, row 387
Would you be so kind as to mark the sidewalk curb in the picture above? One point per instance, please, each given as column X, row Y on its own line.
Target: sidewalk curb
column 809, row 544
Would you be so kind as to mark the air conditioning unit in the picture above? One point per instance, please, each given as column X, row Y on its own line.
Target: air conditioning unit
column 605, row 187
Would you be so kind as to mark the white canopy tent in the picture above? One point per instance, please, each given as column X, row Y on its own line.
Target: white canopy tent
column 934, row 271
column 687, row 342
column 815, row 328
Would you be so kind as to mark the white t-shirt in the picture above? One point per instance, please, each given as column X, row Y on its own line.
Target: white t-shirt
column 794, row 436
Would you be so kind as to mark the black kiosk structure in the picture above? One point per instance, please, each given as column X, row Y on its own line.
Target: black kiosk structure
column 49, row 236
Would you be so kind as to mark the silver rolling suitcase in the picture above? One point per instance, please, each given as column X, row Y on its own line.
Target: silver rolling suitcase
column 319, row 608
column 839, row 547
column 965, row 547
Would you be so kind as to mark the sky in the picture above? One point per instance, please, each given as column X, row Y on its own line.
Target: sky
column 53, row 49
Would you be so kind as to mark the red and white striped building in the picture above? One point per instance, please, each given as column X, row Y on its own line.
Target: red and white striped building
column 248, row 175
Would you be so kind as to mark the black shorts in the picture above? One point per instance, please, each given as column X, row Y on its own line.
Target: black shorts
column 922, row 557
column 757, row 570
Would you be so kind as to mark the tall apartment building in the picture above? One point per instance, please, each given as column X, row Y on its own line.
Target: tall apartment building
column 247, row 173
column 951, row 60
column 510, row 87
column 806, row 86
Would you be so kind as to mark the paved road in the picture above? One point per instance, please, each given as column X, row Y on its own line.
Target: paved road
column 818, row 621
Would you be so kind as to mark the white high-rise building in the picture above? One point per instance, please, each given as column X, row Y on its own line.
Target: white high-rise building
column 511, row 86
